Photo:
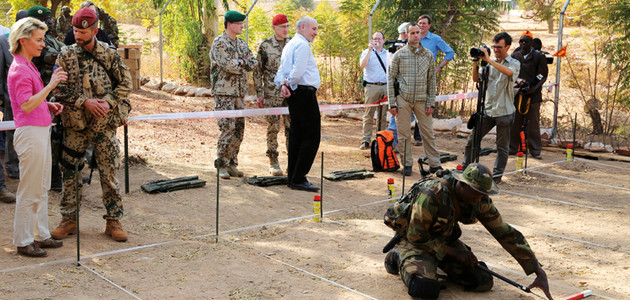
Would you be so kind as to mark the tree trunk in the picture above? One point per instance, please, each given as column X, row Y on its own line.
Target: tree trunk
column 598, row 128
column 550, row 25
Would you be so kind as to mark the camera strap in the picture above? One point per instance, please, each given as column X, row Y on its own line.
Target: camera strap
column 520, row 100
column 380, row 61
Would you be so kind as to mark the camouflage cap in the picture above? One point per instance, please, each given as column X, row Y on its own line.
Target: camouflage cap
column 479, row 178
column 38, row 12
column 234, row 16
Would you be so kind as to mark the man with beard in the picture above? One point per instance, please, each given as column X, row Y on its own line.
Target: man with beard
column 96, row 103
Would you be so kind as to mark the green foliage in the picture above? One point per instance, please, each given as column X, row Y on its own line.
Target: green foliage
column 259, row 28
column 187, row 39
column 542, row 10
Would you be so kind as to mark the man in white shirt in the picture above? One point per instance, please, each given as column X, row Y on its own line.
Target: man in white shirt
column 299, row 79
column 374, row 64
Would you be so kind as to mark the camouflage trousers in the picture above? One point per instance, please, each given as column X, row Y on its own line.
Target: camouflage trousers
column 274, row 123
column 420, row 263
column 231, row 129
column 107, row 153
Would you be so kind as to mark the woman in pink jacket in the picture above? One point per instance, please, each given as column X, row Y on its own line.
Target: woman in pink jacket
column 32, row 116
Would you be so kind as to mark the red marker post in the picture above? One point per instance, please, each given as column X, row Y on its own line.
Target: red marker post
column 581, row 295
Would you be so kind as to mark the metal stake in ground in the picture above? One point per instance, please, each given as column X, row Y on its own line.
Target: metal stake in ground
column 574, row 128
column 218, row 163
column 497, row 275
column 321, row 190
column 126, row 159
column 403, row 170
column 76, row 188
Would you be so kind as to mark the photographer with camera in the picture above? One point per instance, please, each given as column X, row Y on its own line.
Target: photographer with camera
column 413, row 67
column 498, row 109
column 374, row 64
column 531, row 78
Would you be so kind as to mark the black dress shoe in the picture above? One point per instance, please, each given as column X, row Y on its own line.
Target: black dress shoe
column 304, row 186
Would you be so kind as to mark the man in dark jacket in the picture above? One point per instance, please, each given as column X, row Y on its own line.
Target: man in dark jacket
column 531, row 78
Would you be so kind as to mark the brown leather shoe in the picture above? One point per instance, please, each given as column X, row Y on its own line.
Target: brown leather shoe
column 7, row 197
column 64, row 230
column 115, row 230
column 32, row 250
column 50, row 243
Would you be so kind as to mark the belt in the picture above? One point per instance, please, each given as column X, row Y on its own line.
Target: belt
column 307, row 87
column 376, row 83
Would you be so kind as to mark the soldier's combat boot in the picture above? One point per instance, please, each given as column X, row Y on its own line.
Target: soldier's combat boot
column 233, row 171
column 223, row 173
column 64, row 230
column 392, row 261
column 115, row 230
column 274, row 167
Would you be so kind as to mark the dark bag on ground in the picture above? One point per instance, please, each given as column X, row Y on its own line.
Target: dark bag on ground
column 169, row 185
column 267, row 180
column 383, row 156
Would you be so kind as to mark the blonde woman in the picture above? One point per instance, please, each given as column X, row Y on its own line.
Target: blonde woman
column 32, row 116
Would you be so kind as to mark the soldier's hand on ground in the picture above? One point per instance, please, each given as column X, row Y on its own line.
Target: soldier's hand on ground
column 261, row 102
column 58, row 76
column 55, row 107
column 286, row 93
column 429, row 110
column 541, row 282
column 98, row 107
column 393, row 111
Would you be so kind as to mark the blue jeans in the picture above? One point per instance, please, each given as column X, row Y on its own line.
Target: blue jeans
column 392, row 127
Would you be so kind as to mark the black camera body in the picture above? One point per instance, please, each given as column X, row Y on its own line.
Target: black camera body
column 396, row 44
column 477, row 52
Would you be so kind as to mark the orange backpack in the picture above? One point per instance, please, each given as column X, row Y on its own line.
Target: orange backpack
column 383, row 156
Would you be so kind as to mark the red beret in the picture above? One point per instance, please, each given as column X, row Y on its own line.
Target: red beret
column 280, row 19
column 84, row 18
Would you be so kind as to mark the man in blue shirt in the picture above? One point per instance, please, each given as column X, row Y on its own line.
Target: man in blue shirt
column 298, row 77
column 434, row 42
column 374, row 64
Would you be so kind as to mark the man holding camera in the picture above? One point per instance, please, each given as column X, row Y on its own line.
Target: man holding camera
column 374, row 64
column 414, row 68
column 530, row 80
column 499, row 107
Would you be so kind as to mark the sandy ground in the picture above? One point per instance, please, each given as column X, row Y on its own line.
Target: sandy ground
column 575, row 216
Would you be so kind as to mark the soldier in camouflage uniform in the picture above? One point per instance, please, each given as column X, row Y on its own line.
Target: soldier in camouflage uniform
column 268, row 93
column 231, row 60
column 430, row 234
column 96, row 103
column 64, row 23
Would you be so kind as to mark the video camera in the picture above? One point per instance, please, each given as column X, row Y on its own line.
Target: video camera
column 395, row 45
column 476, row 53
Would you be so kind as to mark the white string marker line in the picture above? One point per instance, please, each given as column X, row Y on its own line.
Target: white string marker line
column 53, row 262
column 112, row 283
column 551, row 200
column 302, row 270
column 584, row 181
column 536, row 167
column 599, row 163
column 520, row 228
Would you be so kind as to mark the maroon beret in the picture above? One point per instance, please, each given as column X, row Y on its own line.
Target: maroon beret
column 84, row 18
column 280, row 19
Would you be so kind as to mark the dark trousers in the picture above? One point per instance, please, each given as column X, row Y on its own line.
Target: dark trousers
column 534, row 142
column 304, row 133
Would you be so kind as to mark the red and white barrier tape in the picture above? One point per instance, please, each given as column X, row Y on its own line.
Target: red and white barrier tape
column 10, row 125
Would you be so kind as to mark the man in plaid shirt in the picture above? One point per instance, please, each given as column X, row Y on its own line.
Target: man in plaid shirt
column 414, row 69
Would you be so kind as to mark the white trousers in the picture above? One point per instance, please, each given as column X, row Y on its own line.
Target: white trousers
column 32, row 144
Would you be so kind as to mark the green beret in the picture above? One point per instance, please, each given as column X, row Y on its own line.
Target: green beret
column 234, row 16
column 38, row 12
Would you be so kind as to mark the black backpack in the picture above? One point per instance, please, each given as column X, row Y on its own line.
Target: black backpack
column 383, row 156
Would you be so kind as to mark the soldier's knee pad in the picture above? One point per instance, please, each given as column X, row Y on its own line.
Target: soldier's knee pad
column 392, row 262
column 477, row 280
column 421, row 287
